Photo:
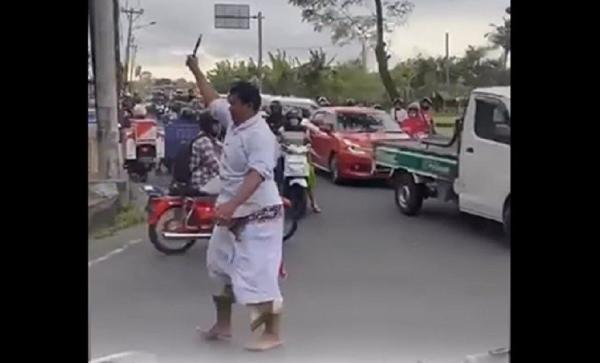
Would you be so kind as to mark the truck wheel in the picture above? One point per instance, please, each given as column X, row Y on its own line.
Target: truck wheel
column 506, row 219
column 408, row 195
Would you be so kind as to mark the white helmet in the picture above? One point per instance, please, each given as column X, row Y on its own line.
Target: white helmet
column 139, row 111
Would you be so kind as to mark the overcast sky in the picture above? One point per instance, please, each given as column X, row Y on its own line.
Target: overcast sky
column 162, row 47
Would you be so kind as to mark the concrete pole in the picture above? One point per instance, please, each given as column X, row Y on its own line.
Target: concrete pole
column 106, row 89
column 260, row 50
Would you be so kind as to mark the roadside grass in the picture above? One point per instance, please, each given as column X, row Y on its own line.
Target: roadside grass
column 128, row 216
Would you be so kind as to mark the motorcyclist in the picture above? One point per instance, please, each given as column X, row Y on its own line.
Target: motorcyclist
column 415, row 125
column 426, row 112
column 323, row 101
column 293, row 120
column 296, row 121
column 275, row 119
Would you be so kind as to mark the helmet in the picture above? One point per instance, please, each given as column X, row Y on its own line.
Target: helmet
column 187, row 113
column 377, row 107
column 139, row 111
column 350, row 102
column 293, row 114
column 426, row 100
column 275, row 106
column 322, row 101
column 414, row 107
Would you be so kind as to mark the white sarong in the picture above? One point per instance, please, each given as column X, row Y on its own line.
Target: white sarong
column 251, row 264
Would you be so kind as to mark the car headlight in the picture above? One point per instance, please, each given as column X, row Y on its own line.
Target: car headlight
column 357, row 149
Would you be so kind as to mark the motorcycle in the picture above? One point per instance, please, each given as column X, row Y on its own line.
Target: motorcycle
column 175, row 222
column 296, row 170
column 144, row 147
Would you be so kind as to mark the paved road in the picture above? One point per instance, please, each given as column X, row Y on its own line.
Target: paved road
column 366, row 284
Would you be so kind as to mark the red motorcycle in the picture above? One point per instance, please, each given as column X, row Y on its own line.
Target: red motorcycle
column 175, row 222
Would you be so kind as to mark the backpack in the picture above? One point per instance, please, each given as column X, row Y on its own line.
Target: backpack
column 181, row 165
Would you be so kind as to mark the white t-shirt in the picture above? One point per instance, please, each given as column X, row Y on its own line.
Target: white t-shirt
column 399, row 115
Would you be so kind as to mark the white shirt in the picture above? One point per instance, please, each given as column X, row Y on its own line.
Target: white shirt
column 250, row 145
column 399, row 115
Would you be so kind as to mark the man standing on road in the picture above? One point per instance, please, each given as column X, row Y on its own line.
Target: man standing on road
column 244, row 252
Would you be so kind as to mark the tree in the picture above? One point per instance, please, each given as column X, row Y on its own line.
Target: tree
column 345, row 27
column 314, row 73
column 280, row 78
column 500, row 37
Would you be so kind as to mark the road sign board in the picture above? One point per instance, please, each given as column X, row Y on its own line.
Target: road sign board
column 232, row 16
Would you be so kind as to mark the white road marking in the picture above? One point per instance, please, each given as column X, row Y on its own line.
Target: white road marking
column 114, row 252
column 127, row 357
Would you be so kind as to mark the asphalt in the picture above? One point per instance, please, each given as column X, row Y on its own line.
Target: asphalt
column 366, row 284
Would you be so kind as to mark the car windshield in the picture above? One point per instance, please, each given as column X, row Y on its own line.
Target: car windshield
column 363, row 122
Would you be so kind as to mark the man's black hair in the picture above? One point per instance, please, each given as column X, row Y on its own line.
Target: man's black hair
column 247, row 93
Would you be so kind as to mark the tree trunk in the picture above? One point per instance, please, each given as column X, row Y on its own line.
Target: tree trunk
column 381, row 55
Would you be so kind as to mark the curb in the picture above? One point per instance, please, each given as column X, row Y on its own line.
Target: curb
column 102, row 213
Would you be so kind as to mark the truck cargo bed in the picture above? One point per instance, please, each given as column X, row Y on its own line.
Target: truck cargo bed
column 430, row 160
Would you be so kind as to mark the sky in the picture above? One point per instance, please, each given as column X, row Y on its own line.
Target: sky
column 163, row 47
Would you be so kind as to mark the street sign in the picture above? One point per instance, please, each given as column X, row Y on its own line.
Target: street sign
column 232, row 16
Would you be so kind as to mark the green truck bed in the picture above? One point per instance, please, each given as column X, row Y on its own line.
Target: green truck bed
column 434, row 161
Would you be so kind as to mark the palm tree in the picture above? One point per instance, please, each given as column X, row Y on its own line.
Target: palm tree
column 500, row 37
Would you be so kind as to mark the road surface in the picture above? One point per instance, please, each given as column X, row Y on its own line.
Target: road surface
column 366, row 284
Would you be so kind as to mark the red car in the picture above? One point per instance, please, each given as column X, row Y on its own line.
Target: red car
column 343, row 145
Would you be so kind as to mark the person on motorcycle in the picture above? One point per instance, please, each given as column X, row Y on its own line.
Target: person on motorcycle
column 415, row 125
column 139, row 112
column 323, row 102
column 399, row 114
column 427, row 113
column 297, row 121
column 275, row 118
column 204, row 159
column 244, row 253
column 312, row 176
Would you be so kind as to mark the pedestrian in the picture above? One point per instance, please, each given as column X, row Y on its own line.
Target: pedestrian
column 398, row 112
column 244, row 253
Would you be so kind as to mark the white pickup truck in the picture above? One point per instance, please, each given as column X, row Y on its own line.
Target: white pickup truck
column 472, row 168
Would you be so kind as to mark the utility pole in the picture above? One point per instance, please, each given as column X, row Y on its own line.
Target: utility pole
column 364, row 53
column 134, row 48
column 260, row 50
column 130, row 19
column 105, row 77
column 448, row 61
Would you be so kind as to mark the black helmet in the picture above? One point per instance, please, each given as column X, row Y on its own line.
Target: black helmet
column 293, row 114
column 275, row 106
column 187, row 113
column 350, row 102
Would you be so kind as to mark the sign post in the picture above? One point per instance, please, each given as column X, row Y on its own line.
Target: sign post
column 236, row 16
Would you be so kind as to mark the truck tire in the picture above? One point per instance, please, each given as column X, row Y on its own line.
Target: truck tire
column 408, row 195
column 506, row 220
